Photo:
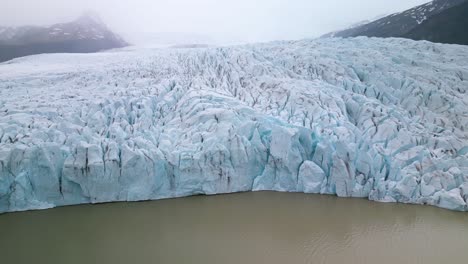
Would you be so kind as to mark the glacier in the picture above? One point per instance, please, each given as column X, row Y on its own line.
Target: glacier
column 383, row 119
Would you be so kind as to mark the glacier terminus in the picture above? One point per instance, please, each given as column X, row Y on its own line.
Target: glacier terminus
column 383, row 119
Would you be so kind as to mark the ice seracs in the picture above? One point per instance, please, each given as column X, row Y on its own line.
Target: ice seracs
column 382, row 119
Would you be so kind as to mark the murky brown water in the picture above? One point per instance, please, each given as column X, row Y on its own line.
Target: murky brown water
column 262, row 227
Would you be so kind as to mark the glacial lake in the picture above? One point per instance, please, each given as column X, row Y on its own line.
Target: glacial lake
column 262, row 227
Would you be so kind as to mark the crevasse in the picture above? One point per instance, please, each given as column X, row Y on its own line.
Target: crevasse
column 382, row 119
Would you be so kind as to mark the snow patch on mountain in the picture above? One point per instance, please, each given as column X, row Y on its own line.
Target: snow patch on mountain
column 385, row 119
column 421, row 13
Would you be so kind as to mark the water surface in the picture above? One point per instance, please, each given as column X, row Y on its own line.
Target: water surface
column 263, row 227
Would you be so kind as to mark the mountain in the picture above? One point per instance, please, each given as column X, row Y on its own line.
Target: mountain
column 84, row 35
column 401, row 24
column 383, row 119
column 354, row 25
column 449, row 26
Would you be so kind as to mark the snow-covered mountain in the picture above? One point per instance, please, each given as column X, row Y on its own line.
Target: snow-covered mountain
column 86, row 34
column 399, row 24
column 385, row 119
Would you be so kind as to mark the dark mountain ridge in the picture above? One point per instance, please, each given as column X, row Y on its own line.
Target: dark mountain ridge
column 449, row 26
column 84, row 35
column 415, row 23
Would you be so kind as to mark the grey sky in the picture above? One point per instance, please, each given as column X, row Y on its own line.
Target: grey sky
column 247, row 19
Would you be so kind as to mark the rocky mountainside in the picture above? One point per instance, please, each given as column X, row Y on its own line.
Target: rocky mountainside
column 86, row 34
column 449, row 26
column 402, row 24
column 385, row 119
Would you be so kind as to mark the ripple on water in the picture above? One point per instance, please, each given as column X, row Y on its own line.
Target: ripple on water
column 264, row 227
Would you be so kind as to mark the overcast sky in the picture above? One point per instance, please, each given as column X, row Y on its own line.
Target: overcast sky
column 253, row 20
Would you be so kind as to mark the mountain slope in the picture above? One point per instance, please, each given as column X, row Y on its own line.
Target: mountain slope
column 352, row 26
column 449, row 26
column 400, row 24
column 375, row 118
column 86, row 34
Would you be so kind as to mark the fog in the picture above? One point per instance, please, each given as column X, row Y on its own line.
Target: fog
column 246, row 20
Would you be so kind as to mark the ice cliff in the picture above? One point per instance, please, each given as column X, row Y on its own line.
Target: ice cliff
column 382, row 119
